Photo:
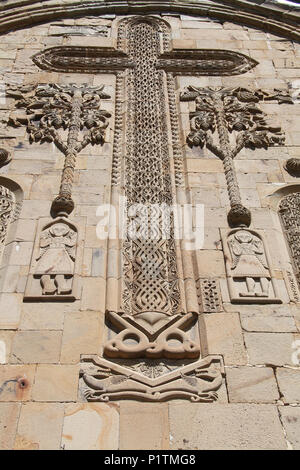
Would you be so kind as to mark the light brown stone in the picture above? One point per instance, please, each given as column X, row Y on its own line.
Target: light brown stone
column 224, row 336
column 56, row 383
column 251, row 385
column 10, row 310
column 36, row 346
column 6, row 338
column 93, row 294
column 9, row 413
column 40, row 426
column 290, row 417
column 289, row 384
column 137, row 419
column 16, row 382
column 196, row 426
column 91, row 426
column 41, row 316
column 269, row 348
column 82, row 334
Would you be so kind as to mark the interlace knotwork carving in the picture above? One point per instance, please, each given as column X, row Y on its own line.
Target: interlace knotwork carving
column 222, row 111
column 7, row 208
column 289, row 211
column 150, row 261
column 49, row 111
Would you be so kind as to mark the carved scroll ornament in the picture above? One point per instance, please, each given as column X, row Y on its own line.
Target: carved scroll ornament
column 104, row 381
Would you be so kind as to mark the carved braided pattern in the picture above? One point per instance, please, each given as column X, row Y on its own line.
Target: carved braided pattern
column 7, row 207
column 289, row 210
column 150, row 264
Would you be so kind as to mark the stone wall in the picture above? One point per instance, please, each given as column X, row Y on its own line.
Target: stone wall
column 41, row 342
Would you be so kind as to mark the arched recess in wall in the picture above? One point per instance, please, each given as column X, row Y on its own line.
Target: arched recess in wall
column 286, row 202
column 11, row 198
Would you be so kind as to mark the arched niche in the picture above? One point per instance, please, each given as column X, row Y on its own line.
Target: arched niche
column 285, row 202
column 11, row 198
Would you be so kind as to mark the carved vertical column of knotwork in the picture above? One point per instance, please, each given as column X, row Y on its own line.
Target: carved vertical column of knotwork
column 156, row 354
column 7, row 214
column 289, row 212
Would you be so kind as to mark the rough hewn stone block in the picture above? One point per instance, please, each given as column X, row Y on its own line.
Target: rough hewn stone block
column 91, row 426
column 231, row 427
column 251, row 385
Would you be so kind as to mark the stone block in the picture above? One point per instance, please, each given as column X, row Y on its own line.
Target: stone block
column 224, row 336
column 268, row 323
column 196, row 426
column 40, row 426
column 251, row 385
column 41, row 316
column 82, row 334
column 56, row 383
column 36, row 347
column 9, row 414
column 6, row 338
column 204, row 165
column 93, row 294
column 269, row 348
column 16, row 382
column 91, row 426
column 289, row 384
column 10, row 310
column 290, row 417
column 210, row 263
column 144, row 426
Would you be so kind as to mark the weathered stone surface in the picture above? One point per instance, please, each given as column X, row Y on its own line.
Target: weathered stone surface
column 40, row 426
column 251, row 385
column 6, row 338
column 36, row 347
column 82, row 335
column 227, row 427
column 11, row 311
column 290, row 417
column 289, row 384
column 9, row 413
column 16, row 382
column 269, row 348
column 136, row 419
column 91, row 426
column 41, row 316
column 56, row 383
column 224, row 336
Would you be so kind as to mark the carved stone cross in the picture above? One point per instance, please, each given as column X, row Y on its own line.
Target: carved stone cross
column 153, row 300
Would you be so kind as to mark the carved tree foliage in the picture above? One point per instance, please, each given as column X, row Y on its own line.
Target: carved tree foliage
column 70, row 116
column 224, row 111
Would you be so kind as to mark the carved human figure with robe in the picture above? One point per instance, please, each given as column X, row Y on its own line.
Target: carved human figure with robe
column 249, row 262
column 55, row 263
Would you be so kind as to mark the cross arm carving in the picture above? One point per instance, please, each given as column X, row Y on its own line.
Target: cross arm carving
column 179, row 61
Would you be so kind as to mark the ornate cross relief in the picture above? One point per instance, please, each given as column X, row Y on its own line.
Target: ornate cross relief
column 152, row 305
column 50, row 111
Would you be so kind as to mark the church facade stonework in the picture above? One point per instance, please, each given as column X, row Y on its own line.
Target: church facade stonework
column 149, row 193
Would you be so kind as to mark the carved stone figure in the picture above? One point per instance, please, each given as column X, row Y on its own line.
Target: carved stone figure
column 56, row 259
column 54, row 268
column 248, row 269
